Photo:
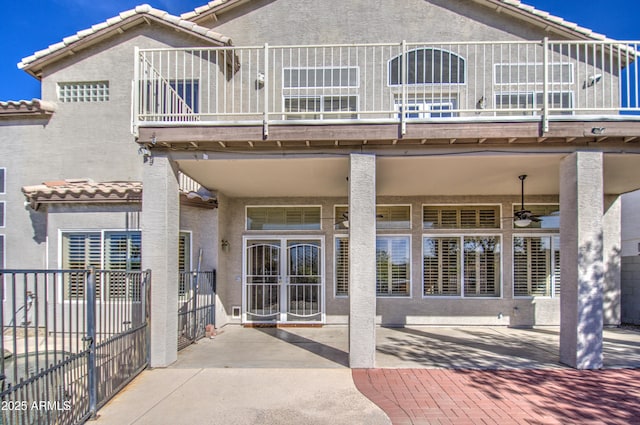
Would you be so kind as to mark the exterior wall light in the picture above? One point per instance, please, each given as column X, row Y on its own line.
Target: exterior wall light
column 226, row 246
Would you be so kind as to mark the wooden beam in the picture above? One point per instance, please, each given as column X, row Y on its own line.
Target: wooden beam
column 452, row 141
column 194, row 144
column 630, row 139
column 482, row 140
column 250, row 143
column 569, row 139
column 222, row 144
column 542, row 139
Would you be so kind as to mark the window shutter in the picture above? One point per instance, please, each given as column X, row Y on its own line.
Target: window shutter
column 80, row 251
column 342, row 266
column 441, row 264
column 481, row 266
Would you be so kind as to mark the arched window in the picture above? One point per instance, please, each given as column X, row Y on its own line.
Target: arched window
column 428, row 66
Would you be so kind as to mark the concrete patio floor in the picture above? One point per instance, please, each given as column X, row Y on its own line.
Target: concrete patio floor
column 410, row 347
column 424, row 375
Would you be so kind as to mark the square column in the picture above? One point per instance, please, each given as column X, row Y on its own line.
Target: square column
column 362, row 261
column 581, row 246
column 160, row 232
column 611, row 252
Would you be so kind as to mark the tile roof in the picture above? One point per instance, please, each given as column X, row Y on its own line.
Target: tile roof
column 87, row 191
column 35, row 107
column 523, row 10
column 134, row 15
column 83, row 191
column 545, row 18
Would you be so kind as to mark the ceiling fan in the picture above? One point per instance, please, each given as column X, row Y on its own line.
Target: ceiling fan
column 523, row 217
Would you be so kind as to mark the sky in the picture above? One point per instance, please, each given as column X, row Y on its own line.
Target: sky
column 29, row 26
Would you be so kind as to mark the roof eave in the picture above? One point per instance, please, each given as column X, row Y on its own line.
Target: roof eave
column 34, row 67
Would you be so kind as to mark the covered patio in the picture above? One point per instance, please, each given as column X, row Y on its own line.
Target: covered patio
column 429, row 347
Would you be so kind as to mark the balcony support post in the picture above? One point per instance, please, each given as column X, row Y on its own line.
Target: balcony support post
column 135, row 90
column 403, row 78
column 265, row 117
column 545, row 86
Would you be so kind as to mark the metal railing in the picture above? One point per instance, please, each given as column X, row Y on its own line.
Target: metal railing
column 366, row 82
column 196, row 305
column 66, row 351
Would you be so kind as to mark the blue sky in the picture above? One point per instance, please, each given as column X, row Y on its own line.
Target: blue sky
column 29, row 26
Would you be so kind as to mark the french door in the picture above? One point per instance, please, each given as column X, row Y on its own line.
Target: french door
column 283, row 280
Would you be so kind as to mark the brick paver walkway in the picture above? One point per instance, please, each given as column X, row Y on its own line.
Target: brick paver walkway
column 545, row 396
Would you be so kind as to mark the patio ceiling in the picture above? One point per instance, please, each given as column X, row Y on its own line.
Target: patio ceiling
column 452, row 175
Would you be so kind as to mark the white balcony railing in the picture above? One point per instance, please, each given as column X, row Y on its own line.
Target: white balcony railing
column 366, row 83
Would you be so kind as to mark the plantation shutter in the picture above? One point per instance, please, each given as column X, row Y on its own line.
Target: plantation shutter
column 392, row 265
column 80, row 251
column 441, row 265
column 481, row 266
column 122, row 252
column 342, row 266
column 184, row 262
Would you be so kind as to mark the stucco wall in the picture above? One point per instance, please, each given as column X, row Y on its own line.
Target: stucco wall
column 84, row 139
column 415, row 309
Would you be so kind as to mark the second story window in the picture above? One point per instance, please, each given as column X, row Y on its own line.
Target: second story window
column 86, row 91
column 321, row 92
column 428, row 65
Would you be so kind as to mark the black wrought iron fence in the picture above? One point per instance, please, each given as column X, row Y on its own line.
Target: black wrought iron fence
column 196, row 305
column 71, row 339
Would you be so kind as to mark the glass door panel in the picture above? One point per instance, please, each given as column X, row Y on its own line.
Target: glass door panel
column 304, row 280
column 263, row 280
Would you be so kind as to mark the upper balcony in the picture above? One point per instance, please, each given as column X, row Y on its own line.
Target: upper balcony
column 401, row 84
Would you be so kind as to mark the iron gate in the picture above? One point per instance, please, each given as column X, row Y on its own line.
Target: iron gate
column 196, row 305
column 73, row 339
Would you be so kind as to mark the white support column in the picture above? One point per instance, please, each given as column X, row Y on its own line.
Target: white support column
column 612, row 251
column 160, row 230
column 362, row 261
column 581, row 244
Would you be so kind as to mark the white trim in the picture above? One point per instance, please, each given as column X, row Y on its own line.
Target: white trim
column 3, row 188
column 533, row 109
column 282, row 238
column 517, row 205
column 480, row 204
column 280, row 231
column 102, row 233
column 342, row 115
column 530, row 83
column 357, row 68
column 461, row 236
column 434, row 48
column 552, row 291
column 410, row 262
column 3, row 207
column 337, row 236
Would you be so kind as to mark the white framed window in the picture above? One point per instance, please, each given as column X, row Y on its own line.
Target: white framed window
column 461, row 217
column 393, row 266
column 283, row 218
column 529, row 103
column 388, row 217
column 85, row 91
column 2, row 211
column 341, row 265
column 2, row 253
column 536, row 265
column 184, row 262
column 532, row 73
column 321, row 77
column 425, row 108
column 3, row 182
column 110, row 250
column 172, row 97
column 428, row 65
column 462, row 266
column 321, row 107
